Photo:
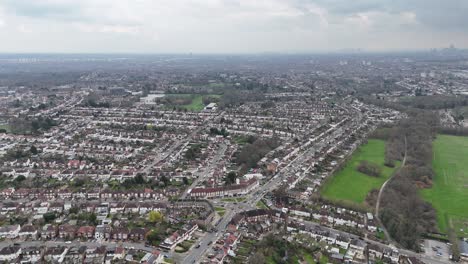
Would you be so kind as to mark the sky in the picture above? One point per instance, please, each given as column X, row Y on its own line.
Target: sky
column 230, row 26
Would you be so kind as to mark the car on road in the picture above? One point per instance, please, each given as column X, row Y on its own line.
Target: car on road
column 68, row 242
column 211, row 242
column 197, row 246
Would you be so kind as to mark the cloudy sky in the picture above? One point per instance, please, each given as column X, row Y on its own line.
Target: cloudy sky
column 230, row 26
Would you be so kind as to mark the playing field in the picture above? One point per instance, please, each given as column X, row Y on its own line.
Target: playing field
column 196, row 104
column 351, row 185
column 449, row 193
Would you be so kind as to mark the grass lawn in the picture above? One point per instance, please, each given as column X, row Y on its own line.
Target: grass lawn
column 449, row 193
column 350, row 185
column 233, row 200
column 220, row 210
column 262, row 205
column 6, row 127
column 308, row 258
column 197, row 101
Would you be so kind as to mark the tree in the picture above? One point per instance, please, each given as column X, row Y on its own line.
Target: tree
column 33, row 150
column 49, row 217
column 153, row 237
column 185, row 180
column 74, row 210
column 257, row 258
column 20, row 178
column 230, row 177
column 164, row 180
column 155, row 217
column 92, row 218
column 139, row 179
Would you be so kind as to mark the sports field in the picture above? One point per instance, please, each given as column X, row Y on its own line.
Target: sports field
column 196, row 103
column 350, row 185
column 449, row 193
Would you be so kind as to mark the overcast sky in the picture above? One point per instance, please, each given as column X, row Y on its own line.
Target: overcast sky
column 230, row 26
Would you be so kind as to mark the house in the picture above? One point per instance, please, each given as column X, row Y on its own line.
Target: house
column 232, row 190
column 95, row 254
column 56, row 207
column 138, row 234
column 7, row 193
column 67, row 231
column 375, row 251
column 154, row 257
column 102, row 232
column 342, row 241
column 114, row 253
column 31, row 254
column 10, row 254
column 358, row 244
column 49, row 231
column 8, row 207
column 179, row 236
column 102, row 209
column 85, row 231
column 145, row 208
column 28, row 231
column 75, row 255
column 117, row 208
column 120, row 233
column 131, row 208
column 55, row 254
column 10, row 231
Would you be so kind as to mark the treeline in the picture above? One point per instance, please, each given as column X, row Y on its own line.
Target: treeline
column 252, row 153
column 28, row 126
column 274, row 249
column 454, row 131
column 436, row 102
column 405, row 215
column 232, row 98
column 369, row 168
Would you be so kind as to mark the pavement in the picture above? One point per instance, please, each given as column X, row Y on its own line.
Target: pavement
column 437, row 250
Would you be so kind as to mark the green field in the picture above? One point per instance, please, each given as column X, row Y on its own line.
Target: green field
column 6, row 127
column 350, row 185
column 449, row 194
column 196, row 104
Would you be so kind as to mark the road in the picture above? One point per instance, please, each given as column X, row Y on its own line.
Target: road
column 201, row 174
column 210, row 238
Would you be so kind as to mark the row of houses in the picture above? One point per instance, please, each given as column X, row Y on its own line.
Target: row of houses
column 39, row 208
column 77, row 254
column 356, row 249
column 227, row 245
column 232, row 190
column 38, row 193
column 179, row 236
column 68, row 231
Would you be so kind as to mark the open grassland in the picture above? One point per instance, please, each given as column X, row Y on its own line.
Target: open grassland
column 196, row 101
column 352, row 186
column 449, row 193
